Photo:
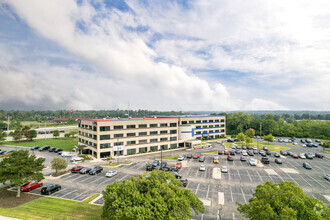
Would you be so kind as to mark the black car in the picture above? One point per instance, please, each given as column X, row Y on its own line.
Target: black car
column 52, row 149
column 95, row 170
column 303, row 141
column 278, row 161
column 265, row 160
column 35, row 148
column 84, row 170
column 230, row 140
column 149, row 167
column 174, row 169
column 307, row 166
column 155, row 163
column 184, row 182
column 166, row 169
column 238, row 147
column 50, row 188
column 290, row 153
column 57, row 150
column 308, row 156
column 276, row 155
column 44, row 148
column 255, row 151
column 318, row 155
column 163, row 164
column 250, row 153
column 268, row 152
column 189, row 156
column 176, row 174
column 284, row 153
column 263, row 154
column 219, row 152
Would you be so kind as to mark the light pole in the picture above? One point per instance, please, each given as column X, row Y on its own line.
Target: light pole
column 45, row 130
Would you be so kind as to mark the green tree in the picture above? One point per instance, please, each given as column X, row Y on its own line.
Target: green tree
column 58, row 164
column 250, row 132
column 283, row 200
column 18, row 134
column 56, row 133
column 249, row 140
column 28, row 133
column 241, row 136
column 326, row 145
column 269, row 138
column 109, row 158
column 156, row 195
column 3, row 135
column 72, row 133
column 20, row 167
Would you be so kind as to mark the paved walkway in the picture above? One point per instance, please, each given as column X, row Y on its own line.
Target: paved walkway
column 7, row 218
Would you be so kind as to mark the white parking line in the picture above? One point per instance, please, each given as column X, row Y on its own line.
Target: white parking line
column 233, row 215
column 243, row 196
column 66, row 177
column 122, row 178
column 249, row 175
column 259, row 176
column 319, row 168
column 292, row 165
column 231, row 194
column 208, row 190
column 271, row 178
column 221, row 198
column 90, row 177
column 80, row 176
column 293, row 179
column 68, row 193
column 316, row 181
column 229, row 176
column 77, row 196
column 239, row 174
column 60, row 191
column 306, row 181
column 197, row 188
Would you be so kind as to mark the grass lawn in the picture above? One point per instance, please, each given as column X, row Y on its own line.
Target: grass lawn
column 174, row 157
column 53, row 208
column 91, row 198
column 260, row 145
column 66, row 144
column 117, row 164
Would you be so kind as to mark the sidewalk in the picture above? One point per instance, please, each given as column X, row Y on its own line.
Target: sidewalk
column 7, row 218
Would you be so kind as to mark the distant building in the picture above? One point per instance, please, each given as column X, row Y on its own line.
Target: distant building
column 105, row 137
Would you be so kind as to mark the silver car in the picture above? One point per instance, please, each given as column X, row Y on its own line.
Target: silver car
column 180, row 158
column 224, row 169
column 253, row 162
column 202, row 168
column 111, row 173
column 327, row 177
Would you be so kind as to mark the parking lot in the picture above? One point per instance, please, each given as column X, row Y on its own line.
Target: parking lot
column 218, row 195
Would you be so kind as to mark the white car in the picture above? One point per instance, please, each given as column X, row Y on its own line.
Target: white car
column 295, row 143
column 254, row 148
column 244, row 153
column 253, row 162
column 304, row 145
column 180, row 158
column 75, row 158
column 224, row 169
column 302, row 156
column 202, row 168
column 111, row 173
column 66, row 154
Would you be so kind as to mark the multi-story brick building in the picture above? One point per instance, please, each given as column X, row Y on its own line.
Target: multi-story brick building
column 104, row 137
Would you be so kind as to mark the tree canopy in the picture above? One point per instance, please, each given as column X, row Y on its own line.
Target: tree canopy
column 250, row 132
column 20, row 167
column 241, row 137
column 269, row 138
column 285, row 200
column 58, row 164
column 3, row 135
column 56, row 133
column 154, row 195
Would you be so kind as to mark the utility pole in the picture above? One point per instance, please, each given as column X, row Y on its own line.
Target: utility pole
column 45, row 130
column 8, row 124
column 128, row 110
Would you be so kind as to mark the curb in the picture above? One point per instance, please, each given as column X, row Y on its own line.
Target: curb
column 94, row 200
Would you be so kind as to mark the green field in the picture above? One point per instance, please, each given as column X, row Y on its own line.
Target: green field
column 53, row 208
column 33, row 124
column 174, row 157
column 260, row 145
column 66, row 144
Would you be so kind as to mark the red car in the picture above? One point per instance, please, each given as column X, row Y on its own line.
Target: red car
column 226, row 152
column 294, row 156
column 195, row 156
column 249, row 147
column 27, row 187
column 76, row 169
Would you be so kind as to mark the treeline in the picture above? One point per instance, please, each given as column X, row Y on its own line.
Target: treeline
column 276, row 125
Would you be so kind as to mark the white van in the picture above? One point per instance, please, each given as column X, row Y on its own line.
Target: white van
column 66, row 154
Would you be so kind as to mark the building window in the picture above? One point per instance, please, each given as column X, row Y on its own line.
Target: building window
column 131, row 151
column 210, row 120
column 173, row 146
column 222, row 120
column 104, row 128
column 211, row 126
column 130, row 126
column 118, row 143
column 131, row 142
column 118, row 127
column 142, row 149
column 191, row 122
column 95, row 128
column 142, row 133
column 198, row 132
column 163, row 132
column 79, row 139
column 90, row 127
column 210, row 131
column 205, row 126
column 173, row 138
column 172, row 131
column 143, row 126
column 143, row 141
column 217, row 120
column 216, row 130
column 118, row 135
column 153, row 148
column 105, row 154
column 153, row 125
column 163, row 139
column 198, row 126
column 94, row 145
column 173, row 125
column 102, row 146
column 164, row 147
column 204, row 121
column 222, row 130
column 222, row 125
column 163, row 125
column 198, row 121
column 153, row 132
column 217, row 126
column 154, row 140
column 184, row 122
column 130, row 134
column 104, row 137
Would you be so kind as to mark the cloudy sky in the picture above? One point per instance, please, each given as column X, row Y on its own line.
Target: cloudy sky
column 165, row 55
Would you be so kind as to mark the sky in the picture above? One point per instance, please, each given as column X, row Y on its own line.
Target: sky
column 188, row 55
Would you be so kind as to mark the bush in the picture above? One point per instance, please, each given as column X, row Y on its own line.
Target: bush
column 60, row 173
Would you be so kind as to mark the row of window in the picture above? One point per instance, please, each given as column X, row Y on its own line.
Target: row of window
column 119, row 127
column 211, row 131
column 210, row 126
column 133, row 134
column 202, row 121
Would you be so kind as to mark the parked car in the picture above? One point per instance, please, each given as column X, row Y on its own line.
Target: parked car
column 155, row 163
column 189, row 156
column 35, row 148
column 265, row 148
column 308, row 156
column 327, row 177
column 230, row 158
column 178, row 165
column 278, row 161
column 50, row 188
column 265, row 160
column 250, row 153
column 244, row 153
column 253, row 162
column 238, row 151
column 289, row 153
column 307, row 166
column 294, row 156
column 283, row 152
column 57, row 150
column 226, row 152
column 111, row 173
column 95, row 170
column 302, row 156
column 75, row 158
column 76, row 169
column 254, row 148
column 177, row 175
column 174, row 169
column 202, row 167
column 163, row 164
column 84, row 170
column 255, row 151
column 180, row 158
column 44, row 148
column 230, row 140
column 319, row 155
column 238, row 147
column 149, row 167
column 243, row 158
column 268, row 152
column 52, row 149
column 201, row 159
column 219, row 152
column 66, row 154
column 276, row 155
column 195, row 156
column 166, row 169
column 232, row 152
column 184, row 182
column 263, row 154
column 27, row 187
column 224, row 169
